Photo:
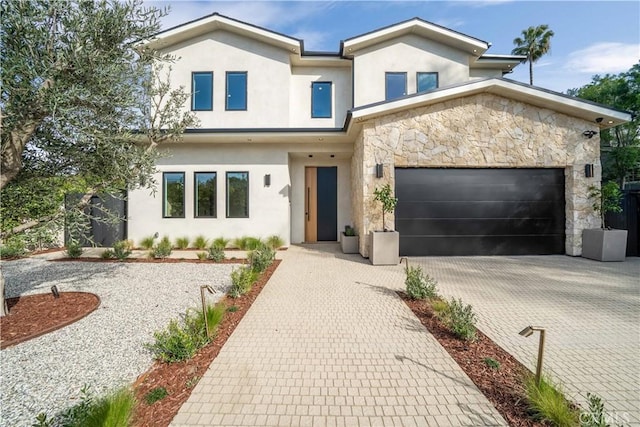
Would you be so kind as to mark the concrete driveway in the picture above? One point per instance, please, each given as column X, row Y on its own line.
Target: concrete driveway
column 591, row 311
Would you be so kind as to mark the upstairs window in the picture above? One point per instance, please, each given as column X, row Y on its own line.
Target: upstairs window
column 395, row 85
column 173, row 195
column 202, row 91
column 205, row 194
column 236, row 90
column 321, row 100
column 237, row 194
column 426, row 81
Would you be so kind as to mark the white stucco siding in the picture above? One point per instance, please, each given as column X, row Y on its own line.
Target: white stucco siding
column 410, row 54
column 268, row 206
column 268, row 77
column 297, row 171
column 483, row 73
column 300, row 95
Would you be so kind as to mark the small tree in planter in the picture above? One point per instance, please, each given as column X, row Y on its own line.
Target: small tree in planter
column 384, row 196
column 605, row 244
column 384, row 245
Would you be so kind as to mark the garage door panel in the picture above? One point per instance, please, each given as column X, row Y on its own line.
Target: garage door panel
column 480, row 211
column 487, row 245
column 481, row 227
column 475, row 209
column 478, row 191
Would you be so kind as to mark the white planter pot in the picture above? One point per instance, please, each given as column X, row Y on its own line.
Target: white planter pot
column 384, row 247
column 604, row 245
column 349, row 244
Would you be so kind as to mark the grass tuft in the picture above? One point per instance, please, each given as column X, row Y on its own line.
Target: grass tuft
column 549, row 404
column 155, row 395
column 182, row 243
column 200, row 242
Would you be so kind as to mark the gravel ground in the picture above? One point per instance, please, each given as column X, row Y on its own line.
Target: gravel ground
column 105, row 349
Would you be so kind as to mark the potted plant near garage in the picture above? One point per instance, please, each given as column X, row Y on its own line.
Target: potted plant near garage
column 604, row 243
column 384, row 246
column 349, row 240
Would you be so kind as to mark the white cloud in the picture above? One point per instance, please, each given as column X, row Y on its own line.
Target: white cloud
column 601, row 58
column 450, row 23
column 315, row 40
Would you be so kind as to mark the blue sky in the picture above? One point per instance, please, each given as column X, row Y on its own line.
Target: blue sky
column 591, row 37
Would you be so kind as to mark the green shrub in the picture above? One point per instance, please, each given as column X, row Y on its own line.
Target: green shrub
column 200, row 242
column 216, row 253
column 241, row 281
column 274, row 242
column 13, row 248
column 74, row 250
column 491, row 362
column 182, row 242
column 461, row 320
column 113, row 410
column 122, row 249
column 596, row 415
column 155, row 394
column 419, row 285
column 549, row 404
column 147, row 243
column 202, row 255
column 233, row 309
column 440, row 308
column 162, row 249
column 349, row 231
column 261, row 257
column 179, row 341
column 108, row 254
column 220, row 242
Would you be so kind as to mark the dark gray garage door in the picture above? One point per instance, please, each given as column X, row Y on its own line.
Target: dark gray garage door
column 480, row 211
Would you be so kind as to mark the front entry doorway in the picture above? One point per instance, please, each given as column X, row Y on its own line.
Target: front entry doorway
column 321, row 204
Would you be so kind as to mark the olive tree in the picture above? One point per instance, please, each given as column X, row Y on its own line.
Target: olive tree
column 84, row 105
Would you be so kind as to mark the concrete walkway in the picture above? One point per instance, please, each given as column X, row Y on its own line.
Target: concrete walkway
column 328, row 343
column 591, row 311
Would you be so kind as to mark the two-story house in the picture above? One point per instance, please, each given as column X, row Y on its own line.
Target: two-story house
column 294, row 143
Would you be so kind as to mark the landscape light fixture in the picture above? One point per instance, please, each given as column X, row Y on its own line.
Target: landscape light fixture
column 204, row 306
column 527, row 332
column 54, row 291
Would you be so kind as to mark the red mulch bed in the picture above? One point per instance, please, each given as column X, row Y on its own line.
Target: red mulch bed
column 34, row 315
column 180, row 378
column 503, row 386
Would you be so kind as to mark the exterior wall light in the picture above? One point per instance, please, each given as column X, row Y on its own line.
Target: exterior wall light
column 204, row 306
column 379, row 170
column 267, row 180
column 527, row 332
column 588, row 170
column 589, row 133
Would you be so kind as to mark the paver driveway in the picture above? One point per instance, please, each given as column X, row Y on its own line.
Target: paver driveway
column 328, row 343
column 591, row 311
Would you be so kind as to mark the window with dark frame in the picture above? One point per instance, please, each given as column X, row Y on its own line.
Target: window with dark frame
column 173, row 195
column 202, row 91
column 237, row 194
column 236, row 91
column 426, row 81
column 320, row 100
column 205, row 194
column 395, row 85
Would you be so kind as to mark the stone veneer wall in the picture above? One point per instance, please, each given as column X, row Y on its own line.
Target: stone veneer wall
column 481, row 131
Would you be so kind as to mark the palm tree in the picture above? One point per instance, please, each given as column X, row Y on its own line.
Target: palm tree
column 535, row 43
